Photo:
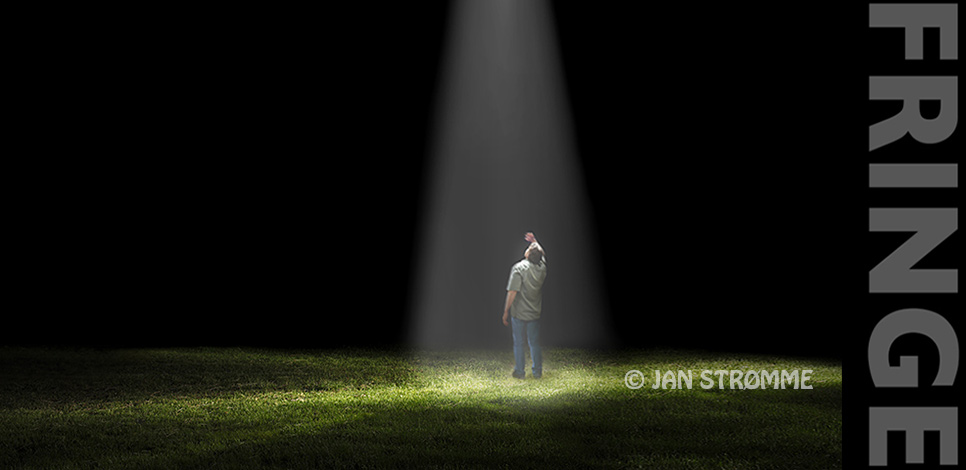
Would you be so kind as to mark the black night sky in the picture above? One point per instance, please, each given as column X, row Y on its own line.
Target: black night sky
column 246, row 179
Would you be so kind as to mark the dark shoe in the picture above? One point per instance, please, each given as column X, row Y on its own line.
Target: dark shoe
column 518, row 375
column 537, row 376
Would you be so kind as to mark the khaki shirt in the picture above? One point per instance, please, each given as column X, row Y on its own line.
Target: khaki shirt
column 527, row 279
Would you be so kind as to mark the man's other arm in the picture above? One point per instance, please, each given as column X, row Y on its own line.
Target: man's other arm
column 510, row 296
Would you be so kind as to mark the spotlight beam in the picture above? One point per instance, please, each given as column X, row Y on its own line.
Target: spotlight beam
column 503, row 163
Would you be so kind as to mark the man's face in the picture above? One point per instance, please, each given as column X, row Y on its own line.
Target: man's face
column 526, row 253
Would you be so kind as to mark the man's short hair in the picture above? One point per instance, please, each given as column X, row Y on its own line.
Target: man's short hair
column 536, row 254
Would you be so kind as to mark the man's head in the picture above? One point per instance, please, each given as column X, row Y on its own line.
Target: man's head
column 534, row 253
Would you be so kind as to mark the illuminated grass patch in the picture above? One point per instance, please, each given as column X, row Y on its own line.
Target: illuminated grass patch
column 231, row 408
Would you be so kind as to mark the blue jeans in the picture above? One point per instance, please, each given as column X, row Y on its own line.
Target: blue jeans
column 527, row 332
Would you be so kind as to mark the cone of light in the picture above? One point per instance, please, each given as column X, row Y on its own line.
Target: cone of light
column 504, row 162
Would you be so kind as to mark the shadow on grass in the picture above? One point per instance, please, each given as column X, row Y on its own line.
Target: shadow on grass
column 760, row 430
column 34, row 377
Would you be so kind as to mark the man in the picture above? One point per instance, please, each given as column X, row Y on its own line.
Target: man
column 524, row 298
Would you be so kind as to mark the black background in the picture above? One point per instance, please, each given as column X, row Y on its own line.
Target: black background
column 231, row 177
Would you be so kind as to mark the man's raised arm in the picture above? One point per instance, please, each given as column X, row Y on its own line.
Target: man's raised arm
column 530, row 237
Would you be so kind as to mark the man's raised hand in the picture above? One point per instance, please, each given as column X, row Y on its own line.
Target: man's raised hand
column 529, row 237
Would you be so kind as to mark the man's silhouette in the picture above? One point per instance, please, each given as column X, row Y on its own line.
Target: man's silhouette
column 524, row 298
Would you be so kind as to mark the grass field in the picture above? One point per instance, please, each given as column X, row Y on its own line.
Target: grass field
column 244, row 408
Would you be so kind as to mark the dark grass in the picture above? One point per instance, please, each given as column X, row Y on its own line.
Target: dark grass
column 244, row 408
